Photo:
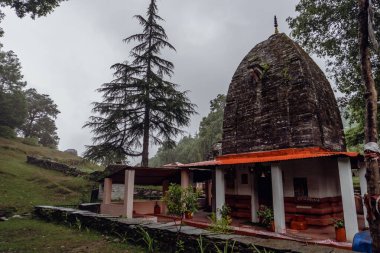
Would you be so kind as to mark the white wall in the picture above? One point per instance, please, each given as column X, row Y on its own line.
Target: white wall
column 243, row 189
column 117, row 192
column 240, row 189
column 322, row 176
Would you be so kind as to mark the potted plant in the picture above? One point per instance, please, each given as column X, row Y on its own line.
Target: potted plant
column 191, row 202
column 340, row 231
column 266, row 217
column 225, row 212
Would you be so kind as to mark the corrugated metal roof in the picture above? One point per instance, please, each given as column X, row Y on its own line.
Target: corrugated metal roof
column 270, row 156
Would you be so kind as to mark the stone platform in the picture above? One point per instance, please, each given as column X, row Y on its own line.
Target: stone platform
column 165, row 234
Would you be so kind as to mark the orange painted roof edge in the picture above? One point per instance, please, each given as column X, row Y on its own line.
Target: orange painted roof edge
column 270, row 156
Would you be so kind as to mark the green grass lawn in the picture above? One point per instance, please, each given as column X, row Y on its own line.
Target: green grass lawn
column 23, row 185
column 25, row 235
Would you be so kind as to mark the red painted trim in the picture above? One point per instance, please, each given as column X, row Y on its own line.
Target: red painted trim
column 270, row 156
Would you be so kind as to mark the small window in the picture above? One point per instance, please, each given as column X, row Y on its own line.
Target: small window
column 244, row 178
column 300, row 187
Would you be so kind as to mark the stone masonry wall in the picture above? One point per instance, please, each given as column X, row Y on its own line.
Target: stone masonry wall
column 279, row 98
column 165, row 234
column 51, row 165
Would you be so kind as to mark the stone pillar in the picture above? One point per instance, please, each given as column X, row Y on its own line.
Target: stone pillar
column 219, row 190
column 363, row 191
column 348, row 199
column 213, row 203
column 165, row 188
column 185, row 178
column 129, row 185
column 278, row 198
column 208, row 193
column 254, row 199
column 107, row 191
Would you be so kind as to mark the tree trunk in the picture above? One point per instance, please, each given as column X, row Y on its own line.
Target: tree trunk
column 145, row 151
column 372, row 174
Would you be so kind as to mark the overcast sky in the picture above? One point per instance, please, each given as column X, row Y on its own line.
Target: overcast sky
column 67, row 54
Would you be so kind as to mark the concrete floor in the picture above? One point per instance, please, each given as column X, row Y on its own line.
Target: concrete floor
column 323, row 235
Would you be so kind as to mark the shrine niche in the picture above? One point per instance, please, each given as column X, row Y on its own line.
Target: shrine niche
column 279, row 98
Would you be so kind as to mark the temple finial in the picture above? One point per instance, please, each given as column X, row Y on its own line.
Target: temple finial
column 275, row 25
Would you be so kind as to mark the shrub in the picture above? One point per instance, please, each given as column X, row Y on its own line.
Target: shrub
column 180, row 201
column 32, row 141
column 265, row 215
column 7, row 132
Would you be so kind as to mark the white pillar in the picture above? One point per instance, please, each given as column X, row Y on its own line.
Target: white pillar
column 363, row 191
column 185, row 178
column 219, row 191
column 278, row 198
column 254, row 199
column 107, row 191
column 165, row 188
column 347, row 191
column 129, row 185
column 209, row 192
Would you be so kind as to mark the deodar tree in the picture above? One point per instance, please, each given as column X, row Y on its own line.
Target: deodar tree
column 139, row 106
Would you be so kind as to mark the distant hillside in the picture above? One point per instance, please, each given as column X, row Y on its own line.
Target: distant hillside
column 22, row 185
column 22, row 146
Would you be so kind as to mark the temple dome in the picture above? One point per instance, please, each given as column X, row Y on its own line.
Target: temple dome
column 279, row 98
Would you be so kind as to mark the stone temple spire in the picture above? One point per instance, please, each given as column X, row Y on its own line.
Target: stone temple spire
column 275, row 25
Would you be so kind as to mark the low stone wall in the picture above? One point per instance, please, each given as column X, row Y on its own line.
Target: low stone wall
column 165, row 234
column 51, row 165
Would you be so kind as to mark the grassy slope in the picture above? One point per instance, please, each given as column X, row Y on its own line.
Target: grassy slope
column 18, row 146
column 23, row 235
column 22, row 185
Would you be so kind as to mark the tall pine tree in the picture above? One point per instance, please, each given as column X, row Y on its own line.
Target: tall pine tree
column 139, row 106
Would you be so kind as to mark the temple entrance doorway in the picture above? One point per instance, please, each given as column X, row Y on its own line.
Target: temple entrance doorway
column 264, row 186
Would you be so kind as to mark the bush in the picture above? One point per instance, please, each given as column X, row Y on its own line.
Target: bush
column 7, row 132
column 265, row 215
column 32, row 141
column 180, row 201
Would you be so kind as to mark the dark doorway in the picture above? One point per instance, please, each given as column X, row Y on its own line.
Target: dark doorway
column 264, row 186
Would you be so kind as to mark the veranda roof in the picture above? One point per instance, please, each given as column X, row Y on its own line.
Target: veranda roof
column 270, row 156
column 143, row 175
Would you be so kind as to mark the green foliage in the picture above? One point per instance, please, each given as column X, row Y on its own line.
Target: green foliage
column 329, row 29
column 227, row 247
column 193, row 149
column 265, row 215
column 339, row 223
column 12, row 99
column 10, row 71
column 12, row 109
column 7, row 132
column 180, row 246
column 147, row 239
column 201, row 247
column 221, row 225
column 32, row 141
column 40, row 120
column 139, row 106
column 256, row 250
column 355, row 138
column 27, row 235
column 225, row 211
column 180, row 201
column 23, row 185
column 32, row 7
